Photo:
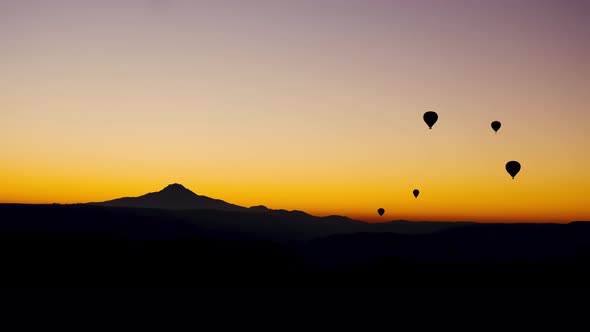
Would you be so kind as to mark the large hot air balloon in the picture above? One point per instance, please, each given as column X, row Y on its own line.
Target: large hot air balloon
column 381, row 212
column 430, row 118
column 513, row 167
column 416, row 193
column 496, row 125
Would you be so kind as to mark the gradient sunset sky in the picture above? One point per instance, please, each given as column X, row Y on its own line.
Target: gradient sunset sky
column 310, row 105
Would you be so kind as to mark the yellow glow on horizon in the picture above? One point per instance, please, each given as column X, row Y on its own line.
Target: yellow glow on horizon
column 315, row 113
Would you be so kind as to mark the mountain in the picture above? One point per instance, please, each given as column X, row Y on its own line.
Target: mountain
column 261, row 220
column 173, row 197
column 177, row 197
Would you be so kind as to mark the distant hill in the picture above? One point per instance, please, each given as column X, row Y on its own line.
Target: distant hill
column 88, row 245
column 173, row 197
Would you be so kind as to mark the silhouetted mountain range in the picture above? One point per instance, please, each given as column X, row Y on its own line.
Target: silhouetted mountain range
column 280, row 223
column 178, row 197
column 176, row 237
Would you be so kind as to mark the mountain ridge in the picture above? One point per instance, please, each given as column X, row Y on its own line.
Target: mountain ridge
column 176, row 196
column 173, row 197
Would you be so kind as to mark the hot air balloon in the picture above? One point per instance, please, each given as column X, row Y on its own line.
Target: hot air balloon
column 496, row 125
column 513, row 167
column 416, row 193
column 381, row 212
column 430, row 118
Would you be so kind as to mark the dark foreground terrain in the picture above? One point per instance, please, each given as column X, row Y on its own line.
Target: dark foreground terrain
column 100, row 246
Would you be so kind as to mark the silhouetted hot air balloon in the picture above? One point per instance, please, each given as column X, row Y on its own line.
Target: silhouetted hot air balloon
column 381, row 212
column 416, row 193
column 430, row 118
column 513, row 167
column 496, row 125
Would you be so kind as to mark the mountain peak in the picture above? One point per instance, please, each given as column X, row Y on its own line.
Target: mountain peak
column 175, row 191
column 175, row 187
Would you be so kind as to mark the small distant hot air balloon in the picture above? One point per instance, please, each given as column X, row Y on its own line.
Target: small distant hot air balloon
column 416, row 193
column 430, row 118
column 381, row 212
column 496, row 125
column 513, row 167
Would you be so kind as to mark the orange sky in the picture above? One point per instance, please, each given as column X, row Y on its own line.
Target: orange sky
column 314, row 106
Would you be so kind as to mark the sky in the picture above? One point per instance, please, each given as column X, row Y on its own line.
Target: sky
column 312, row 105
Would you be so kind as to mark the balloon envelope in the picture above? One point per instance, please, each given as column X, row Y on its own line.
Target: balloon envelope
column 496, row 125
column 381, row 212
column 430, row 118
column 513, row 167
column 416, row 193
